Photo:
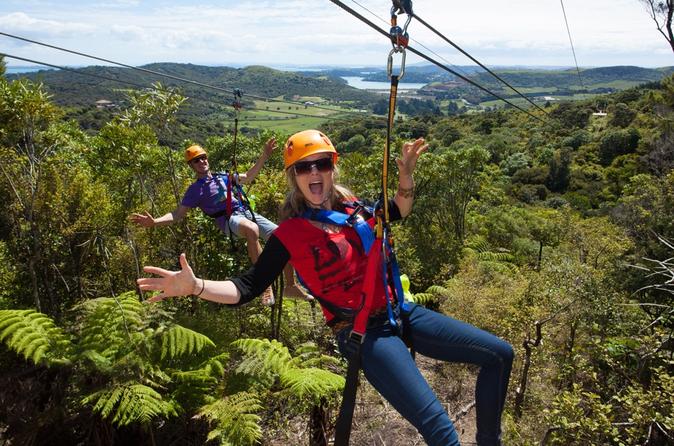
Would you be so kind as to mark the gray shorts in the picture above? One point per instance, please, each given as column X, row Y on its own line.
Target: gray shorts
column 266, row 226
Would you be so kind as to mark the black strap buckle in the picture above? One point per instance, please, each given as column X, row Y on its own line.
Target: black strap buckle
column 354, row 215
column 356, row 337
column 352, row 347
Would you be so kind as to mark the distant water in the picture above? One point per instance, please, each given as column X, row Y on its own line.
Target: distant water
column 358, row 82
column 17, row 70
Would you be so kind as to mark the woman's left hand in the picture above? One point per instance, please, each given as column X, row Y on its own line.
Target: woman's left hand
column 410, row 154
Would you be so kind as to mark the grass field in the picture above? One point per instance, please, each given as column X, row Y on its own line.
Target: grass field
column 292, row 117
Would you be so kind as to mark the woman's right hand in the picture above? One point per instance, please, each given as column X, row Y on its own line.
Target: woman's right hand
column 171, row 283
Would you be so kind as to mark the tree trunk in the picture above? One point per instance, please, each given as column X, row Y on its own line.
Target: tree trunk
column 318, row 423
column 524, row 378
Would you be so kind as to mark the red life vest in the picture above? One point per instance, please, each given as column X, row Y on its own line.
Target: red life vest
column 331, row 265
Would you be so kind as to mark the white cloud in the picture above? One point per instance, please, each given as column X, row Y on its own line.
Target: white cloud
column 19, row 22
column 283, row 32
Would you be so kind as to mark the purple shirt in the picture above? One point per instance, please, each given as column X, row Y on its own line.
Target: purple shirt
column 210, row 195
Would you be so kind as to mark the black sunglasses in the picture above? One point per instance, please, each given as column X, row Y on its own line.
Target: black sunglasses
column 321, row 164
column 199, row 158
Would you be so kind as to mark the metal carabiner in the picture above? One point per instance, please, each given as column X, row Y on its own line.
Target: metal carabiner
column 402, row 6
column 389, row 65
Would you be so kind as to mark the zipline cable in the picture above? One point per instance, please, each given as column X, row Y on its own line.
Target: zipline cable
column 568, row 31
column 413, row 40
column 72, row 70
column 423, row 22
column 433, row 61
column 158, row 73
column 458, row 48
column 100, row 76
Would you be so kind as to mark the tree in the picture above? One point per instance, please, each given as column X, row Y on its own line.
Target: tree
column 453, row 186
column 661, row 12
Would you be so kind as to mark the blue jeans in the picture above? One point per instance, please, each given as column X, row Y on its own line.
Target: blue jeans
column 389, row 367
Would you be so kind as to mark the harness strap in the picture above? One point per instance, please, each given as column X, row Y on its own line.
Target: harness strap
column 228, row 204
column 363, row 230
column 356, row 338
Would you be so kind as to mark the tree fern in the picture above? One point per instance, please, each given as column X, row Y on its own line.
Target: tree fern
column 498, row 260
column 34, row 335
column 130, row 403
column 308, row 355
column 425, row 298
column 178, row 340
column 262, row 356
column 110, row 322
column 236, row 423
column 312, row 383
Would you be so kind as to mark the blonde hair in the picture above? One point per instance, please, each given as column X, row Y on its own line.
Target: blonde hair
column 295, row 204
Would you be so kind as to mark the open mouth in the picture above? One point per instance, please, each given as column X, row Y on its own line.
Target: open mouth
column 316, row 188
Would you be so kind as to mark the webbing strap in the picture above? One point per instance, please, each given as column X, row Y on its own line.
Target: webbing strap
column 361, row 227
column 374, row 261
column 387, row 154
column 228, row 204
column 345, row 418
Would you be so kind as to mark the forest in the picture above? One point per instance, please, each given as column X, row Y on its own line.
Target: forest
column 556, row 234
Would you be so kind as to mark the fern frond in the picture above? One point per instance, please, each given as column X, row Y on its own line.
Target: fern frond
column 425, row 298
column 130, row 403
column 495, row 257
column 478, row 244
column 34, row 335
column 110, row 323
column 501, row 267
column 308, row 355
column 199, row 377
column 235, row 420
column 263, row 355
column 438, row 290
column 215, row 365
column 312, row 383
column 178, row 340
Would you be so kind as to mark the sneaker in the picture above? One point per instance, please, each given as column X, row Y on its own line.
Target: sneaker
column 268, row 297
column 295, row 292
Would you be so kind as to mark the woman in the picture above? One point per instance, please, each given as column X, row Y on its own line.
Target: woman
column 331, row 261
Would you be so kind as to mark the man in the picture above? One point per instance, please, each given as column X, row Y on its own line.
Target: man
column 210, row 193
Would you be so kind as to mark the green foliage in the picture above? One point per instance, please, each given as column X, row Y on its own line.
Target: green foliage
column 312, row 383
column 156, row 107
column 618, row 142
column 266, row 359
column 130, row 403
column 235, row 420
column 579, row 417
column 263, row 357
column 649, row 409
column 35, row 336
column 621, row 115
column 571, row 115
column 177, row 341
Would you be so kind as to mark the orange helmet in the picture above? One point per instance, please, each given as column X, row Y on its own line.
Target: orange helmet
column 194, row 151
column 305, row 143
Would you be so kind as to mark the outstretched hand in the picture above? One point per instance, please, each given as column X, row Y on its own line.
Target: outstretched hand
column 145, row 219
column 270, row 146
column 410, row 154
column 171, row 283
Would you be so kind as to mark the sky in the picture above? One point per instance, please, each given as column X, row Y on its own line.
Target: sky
column 310, row 33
